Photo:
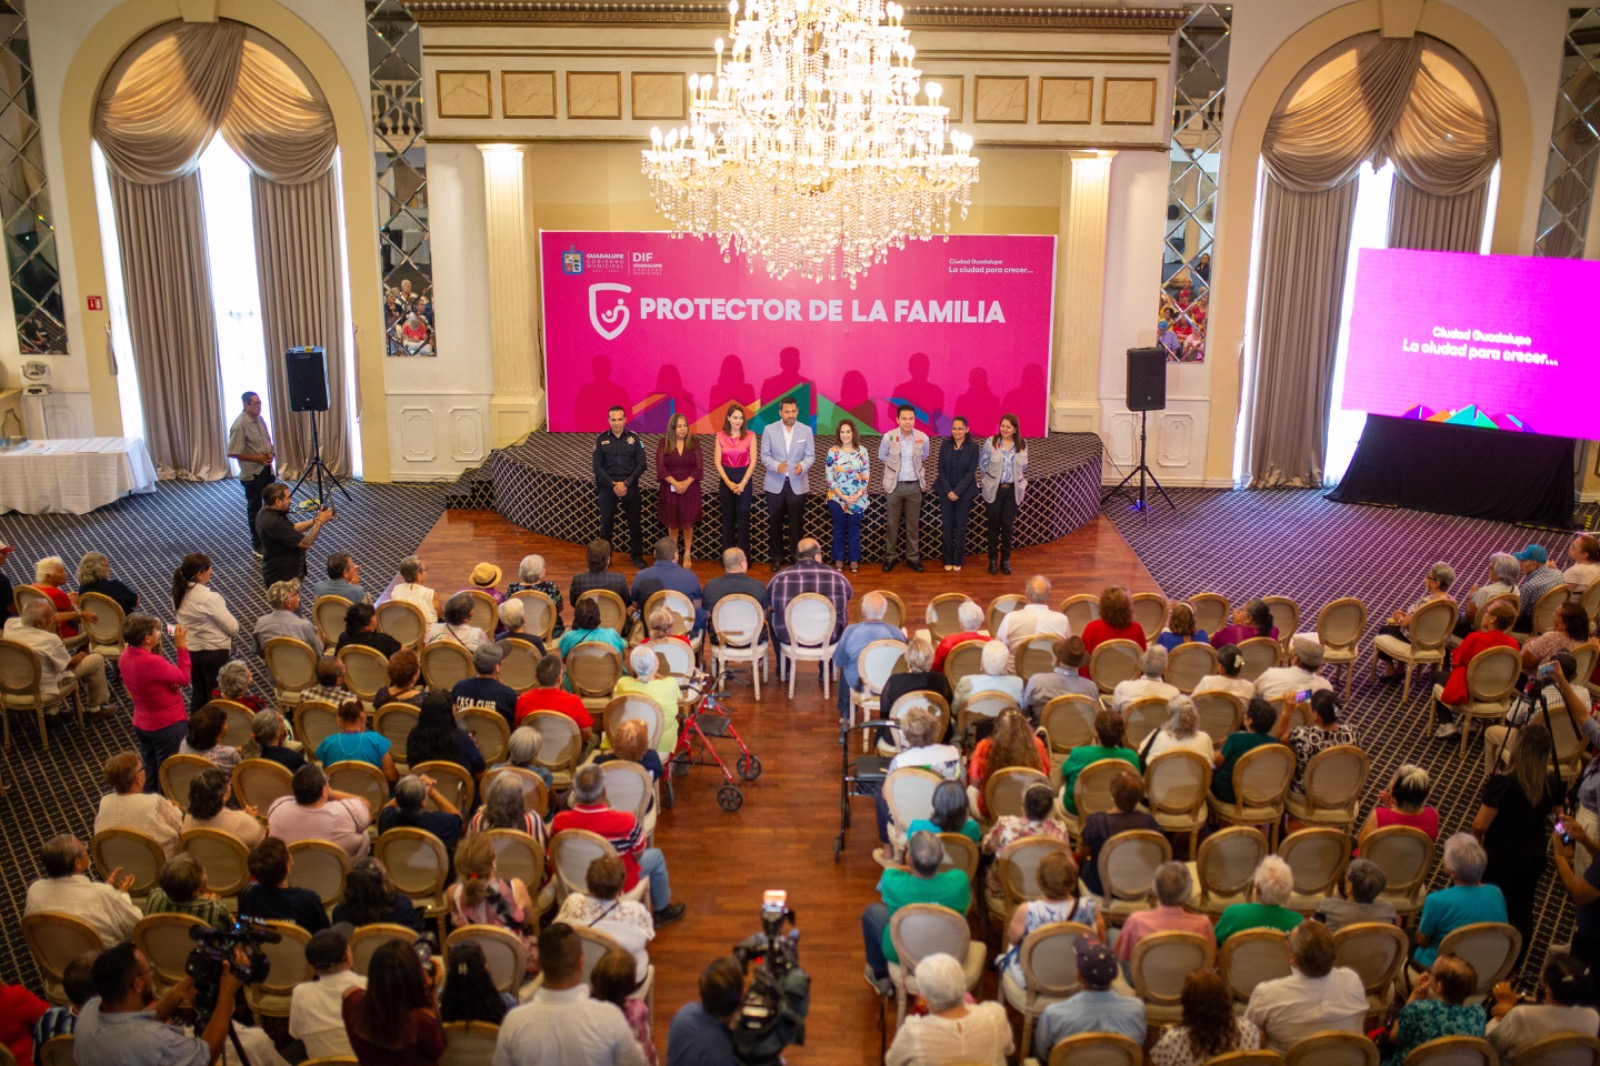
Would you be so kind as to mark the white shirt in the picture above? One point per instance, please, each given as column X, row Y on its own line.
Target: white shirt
column 54, row 659
column 468, row 636
column 788, row 442
column 147, row 812
column 942, row 759
column 1137, row 688
column 1031, row 619
column 1164, row 742
column 1528, row 1022
column 566, row 1028
column 625, row 921
column 1281, row 681
column 108, row 912
column 419, row 596
column 1239, row 686
column 316, row 1013
column 235, row 823
column 1581, row 575
column 211, row 626
column 984, row 1035
column 1291, row 1008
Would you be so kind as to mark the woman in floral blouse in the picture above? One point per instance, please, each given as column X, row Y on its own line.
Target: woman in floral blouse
column 847, row 495
column 1438, row 1007
column 530, row 578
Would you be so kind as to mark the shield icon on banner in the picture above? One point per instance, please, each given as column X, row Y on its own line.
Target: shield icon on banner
column 609, row 323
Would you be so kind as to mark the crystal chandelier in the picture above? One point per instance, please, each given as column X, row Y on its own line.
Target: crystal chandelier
column 809, row 148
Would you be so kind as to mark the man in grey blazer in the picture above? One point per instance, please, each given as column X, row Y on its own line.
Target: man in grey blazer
column 904, row 455
column 787, row 452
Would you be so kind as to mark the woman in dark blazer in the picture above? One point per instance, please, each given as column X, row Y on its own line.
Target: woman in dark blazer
column 956, row 487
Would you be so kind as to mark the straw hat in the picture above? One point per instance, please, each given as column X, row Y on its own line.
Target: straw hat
column 485, row 575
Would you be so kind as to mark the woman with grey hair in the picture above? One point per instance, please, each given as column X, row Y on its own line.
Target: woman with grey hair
column 268, row 736
column 664, row 690
column 408, row 809
column 531, row 578
column 522, row 752
column 1274, row 884
column 919, row 676
column 456, row 625
column 1152, row 668
column 1436, row 586
column 1358, row 901
column 952, row 1031
column 1180, row 732
column 1466, row 901
column 94, row 575
column 505, row 806
column 233, row 683
column 410, row 589
column 994, row 678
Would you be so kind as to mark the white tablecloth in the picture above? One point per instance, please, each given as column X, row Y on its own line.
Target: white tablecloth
column 73, row 476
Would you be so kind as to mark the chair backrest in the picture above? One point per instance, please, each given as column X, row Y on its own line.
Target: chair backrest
column 941, row 617
column 1491, row 948
column 444, row 662
column 928, row 700
column 518, row 855
column 1262, row 775
column 258, row 782
column 1564, row 1049
column 360, row 779
column 1019, row 866
column 327, row 614
column 1142, row 717
column 1260, row 654
column 918, row 930
column 1590, row 600
column 1227, row 860
column 628, row 786
column 403, row 621
column 1049, row 958
column 1317, row 858
column 1544, row 609
column 20, row 668
column 1211, row 611
column 505, row 955
column 321, row 866
column 560, row 740
column 1454, row 1051
column 613, row 612
column 895, row 611
column 177, row 772
column 56, row 939
column 810, row 618
column 1069, row 721
column 58, row 1051
column 415, row 860
column 105, row 632
column 366, row 670
column 674, row 658
column 999, row 607
column 1584, row 656
column 291, row 662
column 1188, row 663
column 959, row 853
column 680, row 605
column 1003, row 792
column 23, row 595
column 1161, row 962
column 538, row 613
column 1374, row 950
column 594, row 668
column 489, row 729
column 593, row 946
column 453, row 781
column 1113, row 662
column 535, row 794
column 1335, row 777
column 963, row 660
column 1333, row 1047
column 1265, row 1057
column 1128, row 861
column 223, row 856
column 988, row 705
column 1492, row 675
column 1150, row 611
column 1341, row 622
column 738, row 621
column 1097, row 1049
column 314, row 722
column 139, row 854
column 369, row 938
column 1036, row 655
column 909, row 793
column 1431, row 625
column 236, row 722
column 395, row 721
column 1080, row 609
column 878, row 661
column 636, row 706
column 165, row 941
column 467, row 1043
column 518, row 666
column 570, row 853
column 286, row 960
column 1285, row 615
column 1221, row 714
column 485, row 612
column 1404, row 854
column 1176, row 783
column 1253, row 956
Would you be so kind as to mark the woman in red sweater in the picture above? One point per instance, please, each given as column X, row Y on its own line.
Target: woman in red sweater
column 1115, row 623
column 155, row 684
column 1496, row 634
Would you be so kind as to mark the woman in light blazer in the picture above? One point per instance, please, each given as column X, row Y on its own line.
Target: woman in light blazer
column 1003, row 470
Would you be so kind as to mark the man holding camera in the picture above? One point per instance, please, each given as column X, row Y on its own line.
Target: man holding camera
column 284, row 542
column 125, row 1025
column 702, row 1033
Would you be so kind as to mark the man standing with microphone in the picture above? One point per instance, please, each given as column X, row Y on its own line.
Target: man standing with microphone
column 250, row 444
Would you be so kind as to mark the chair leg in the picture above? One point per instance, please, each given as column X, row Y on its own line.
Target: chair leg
column 793, row 667
column 1027, row 1036
column 44, row 739
column 1466, row 732
column 1410, row 666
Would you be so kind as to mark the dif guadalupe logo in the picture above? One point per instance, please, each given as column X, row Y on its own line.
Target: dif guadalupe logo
column 610, row 322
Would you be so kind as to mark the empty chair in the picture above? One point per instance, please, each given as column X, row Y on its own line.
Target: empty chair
column 739, row 635
column 1285, row 616
column 1339, row 628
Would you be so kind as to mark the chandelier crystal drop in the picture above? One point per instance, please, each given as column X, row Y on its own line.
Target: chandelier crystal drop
column 808, row 148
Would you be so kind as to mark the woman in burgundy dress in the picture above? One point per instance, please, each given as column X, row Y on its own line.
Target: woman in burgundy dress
column 679, row 472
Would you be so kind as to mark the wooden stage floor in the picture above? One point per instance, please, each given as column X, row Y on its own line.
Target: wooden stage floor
column 783, row 837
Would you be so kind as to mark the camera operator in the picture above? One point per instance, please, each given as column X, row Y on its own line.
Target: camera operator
column 125, row 1024
column 702, row 1033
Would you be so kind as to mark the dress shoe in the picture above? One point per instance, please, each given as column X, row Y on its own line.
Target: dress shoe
column 888, row 564
column 915, row 564
column 994, row 565
column 1005, row 567
column 638, row 562
column 668, row 914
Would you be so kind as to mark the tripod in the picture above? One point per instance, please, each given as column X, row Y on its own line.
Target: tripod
column 1144, row 471
column 1532, row 698
column 316, row 467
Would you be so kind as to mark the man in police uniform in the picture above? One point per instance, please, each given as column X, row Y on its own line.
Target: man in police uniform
column 618, row 464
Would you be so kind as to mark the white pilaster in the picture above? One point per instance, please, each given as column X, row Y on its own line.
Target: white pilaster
column 518, row 403
column 1080, row 291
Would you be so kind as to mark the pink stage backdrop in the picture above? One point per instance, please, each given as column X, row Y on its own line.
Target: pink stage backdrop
column 661, row 324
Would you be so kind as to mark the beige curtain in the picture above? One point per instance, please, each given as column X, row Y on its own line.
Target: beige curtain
column 1419, row 219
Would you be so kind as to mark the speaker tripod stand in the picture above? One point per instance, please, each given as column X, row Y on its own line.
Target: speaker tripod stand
column 316, row 468
column 1143, row 471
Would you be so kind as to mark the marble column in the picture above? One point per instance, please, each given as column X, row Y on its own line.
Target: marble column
column 518, row 403
column 1080, row 292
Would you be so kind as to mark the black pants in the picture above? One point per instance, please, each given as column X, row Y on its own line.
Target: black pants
column 608, row 502
column 784, row 508
column 953, row 516
column 736, row 510
column 1002, row 517
column 203, row 669
column 253, row 488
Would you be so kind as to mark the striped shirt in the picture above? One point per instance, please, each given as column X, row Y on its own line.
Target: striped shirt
column 57, row 1021
column 619, row 828
column 210, row 911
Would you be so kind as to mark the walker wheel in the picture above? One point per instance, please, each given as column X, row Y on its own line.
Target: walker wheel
column 667, row 798
column 729, row 798
column 679, row 764
column 749, row 767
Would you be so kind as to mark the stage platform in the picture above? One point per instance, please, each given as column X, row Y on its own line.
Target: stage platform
column 545, row 484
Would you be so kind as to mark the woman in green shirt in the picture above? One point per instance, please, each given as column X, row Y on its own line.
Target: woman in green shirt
column 1274, row 883
column 1112, row 745
column 1260, row 716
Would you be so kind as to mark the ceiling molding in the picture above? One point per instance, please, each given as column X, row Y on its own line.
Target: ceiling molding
column 687, row 12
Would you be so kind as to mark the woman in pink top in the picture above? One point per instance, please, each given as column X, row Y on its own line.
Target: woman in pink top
column 160, row 714
column 1405, row 802
column 734, row 470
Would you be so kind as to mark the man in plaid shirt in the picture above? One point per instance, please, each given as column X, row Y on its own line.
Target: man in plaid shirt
column 808, row 574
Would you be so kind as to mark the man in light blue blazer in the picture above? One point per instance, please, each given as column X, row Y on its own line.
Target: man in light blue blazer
column 787, row 452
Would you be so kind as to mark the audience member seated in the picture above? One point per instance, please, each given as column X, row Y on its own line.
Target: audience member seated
column 1538, row 578
column 1180, row 629
column 204, row 738
column 1173, row 885
column 646, row 681
column 1357, row 899
column 486, row 691
column 66, row 889
column 409, row 589
column 1437, row 1007
column 94, row 575
column 483, row 897
column 405, row 677
column 920, row 675
column 361, row 629
column 343, row 580
column 969, row 616
column 484, row 578
column 470, row 994
column 316, row 1007
column 269, row 897
column 522, row 752
column 1127, row 792
column 1110, row 743
column 269, row 735
column 1034, row 821
column 154, row 684
column 612, row 981
column 182, row 889
column 315, row 811
column 1404, row 802
column 233, row 684
column 921, row 749
column 514, row 627
column 632, row 743
column 1114, row 623
column 126, row 1023
column 436, row 737
column 808, row 574
column 1325, row 731
column 1260, row 718
column 355, row 743
column 922, row 883
column 604, row 910
column 1568, row 629
column 1564, row 1007
column 591, row 811
column 1560, row 693
column 734, row 581
column 1034, row 617
column 856, row 636
column 1584, row 554
column 1209, row 1027
column 1504, row 570
column 1062, row 681
column 61, row 671
column 1316, row 997
column 949, row 814
column 1436, row 584
column 1062, row 900
column 1274, row 883
column 455, row 625
column 330, row 684
column 1495, row 634
column 1252, row 618
column 284, row 619
column 77, row 981
column 1230, row 664
column 370, row 898
column 531, row 578
column 561, row 1023
column 597, row 575
column 994, row 678
column 1466, row 901
column 586, row 627
column 1096, row 1008
column 408, row 810
column 1180, row 732
column 1305, row 659
column 1013, row 744
column 209, row 793
column 952, row 1032
column 505, row 806
column 1152, row 668
column 50, row 577
column 667, row 573
column 129, row 806
column 394, row 1020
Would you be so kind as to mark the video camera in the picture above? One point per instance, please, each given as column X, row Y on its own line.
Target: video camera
column 215, row 952
column 773, row 1014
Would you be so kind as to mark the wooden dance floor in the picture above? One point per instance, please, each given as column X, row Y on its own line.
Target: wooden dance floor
column 783, row 837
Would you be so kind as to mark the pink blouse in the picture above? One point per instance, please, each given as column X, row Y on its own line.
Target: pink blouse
column 156, row 687
column 735, row 453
